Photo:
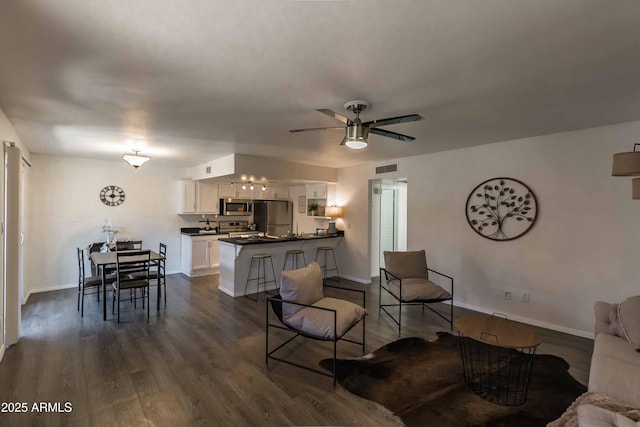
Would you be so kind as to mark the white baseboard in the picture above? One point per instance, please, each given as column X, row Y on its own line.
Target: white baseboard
column 529, row 321
column 357, row 279
column 65, row 286
column 48, row 289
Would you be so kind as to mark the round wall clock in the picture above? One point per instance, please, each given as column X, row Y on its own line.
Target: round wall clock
column 501, row 209
column 112, row 195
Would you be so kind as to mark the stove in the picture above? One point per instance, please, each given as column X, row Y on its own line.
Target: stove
column 236, row 228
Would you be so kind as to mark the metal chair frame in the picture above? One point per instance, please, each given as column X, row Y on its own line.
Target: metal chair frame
column 132, row 272
column 160, row 272
column 325, row 267
column 276, row 305
column 88, row 285
column 260, row 258
column 386, row 274
column 295, row 253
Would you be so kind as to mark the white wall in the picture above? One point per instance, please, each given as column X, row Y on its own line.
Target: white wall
column 66, row 212
column 583, row 248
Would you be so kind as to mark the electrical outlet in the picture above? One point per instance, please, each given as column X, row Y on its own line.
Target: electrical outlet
column 526, row 297
column 507, row 295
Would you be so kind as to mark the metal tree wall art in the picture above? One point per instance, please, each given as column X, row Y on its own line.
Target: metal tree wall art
column 501, row 209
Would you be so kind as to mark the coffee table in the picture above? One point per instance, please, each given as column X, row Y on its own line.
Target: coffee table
column 497, row 356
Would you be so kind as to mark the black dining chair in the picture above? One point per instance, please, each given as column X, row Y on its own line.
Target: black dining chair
column 132, row 272
column 159, row 273
column 88, row 285
column 128, row 245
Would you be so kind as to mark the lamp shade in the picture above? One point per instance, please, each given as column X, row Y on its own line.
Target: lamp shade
column 626, row 164
column 333, row 211
column 635, row 188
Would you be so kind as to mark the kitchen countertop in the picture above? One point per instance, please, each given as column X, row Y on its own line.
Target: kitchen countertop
column 195, row 231
column 263, row 240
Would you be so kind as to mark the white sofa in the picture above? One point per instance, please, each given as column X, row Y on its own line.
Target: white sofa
column 614, row 378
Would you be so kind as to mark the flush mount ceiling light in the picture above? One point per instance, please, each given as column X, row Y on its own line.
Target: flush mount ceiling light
column 135, row 160
column 627, row 164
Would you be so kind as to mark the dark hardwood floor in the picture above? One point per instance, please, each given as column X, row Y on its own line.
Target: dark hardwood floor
column 199, row 361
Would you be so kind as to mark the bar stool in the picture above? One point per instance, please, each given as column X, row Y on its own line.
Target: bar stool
column 295, row 253
column 324, row 267
column 260, row 259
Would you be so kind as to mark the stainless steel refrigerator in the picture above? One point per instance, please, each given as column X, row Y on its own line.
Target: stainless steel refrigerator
column 273, row 217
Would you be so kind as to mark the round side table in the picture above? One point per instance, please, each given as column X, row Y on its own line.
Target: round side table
column 497, row 356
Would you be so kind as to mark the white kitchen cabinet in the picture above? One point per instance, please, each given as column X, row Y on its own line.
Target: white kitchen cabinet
column 207, row 199
column 271, row 193
column 322, row 195
column 187, row 197
column 200, row 255
column 198, row 197
column 317, row 191
column 235, row 191
column 281, row 193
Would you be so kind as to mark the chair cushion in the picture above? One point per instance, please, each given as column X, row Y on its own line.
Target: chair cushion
column 319, row 323
column 92, row 281
column 406, row 264
column 417, row 289
column 629, row 315
column 607, row 320
column 595, row 416
column 303, row 286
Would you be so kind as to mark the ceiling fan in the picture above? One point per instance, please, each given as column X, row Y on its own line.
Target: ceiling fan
column 357, row 132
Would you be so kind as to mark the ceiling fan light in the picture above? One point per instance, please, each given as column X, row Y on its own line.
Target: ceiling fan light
column 134, row 160
column 356, row 144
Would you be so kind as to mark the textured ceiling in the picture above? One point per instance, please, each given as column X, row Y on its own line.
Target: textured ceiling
column 188, row 81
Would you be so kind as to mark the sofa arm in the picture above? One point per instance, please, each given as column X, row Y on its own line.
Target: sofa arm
column 615, row 369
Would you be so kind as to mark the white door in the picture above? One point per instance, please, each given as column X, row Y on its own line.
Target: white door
column 12, row 276
column 388, row 224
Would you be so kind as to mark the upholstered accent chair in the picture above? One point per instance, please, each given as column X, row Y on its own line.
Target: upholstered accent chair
column 405, row 278
column 302, row 309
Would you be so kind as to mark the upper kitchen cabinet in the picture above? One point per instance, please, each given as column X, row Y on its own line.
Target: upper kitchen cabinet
column 235, row 191
column 198, row 197
column 317, row 191
column 321, row 195
column 272, row 193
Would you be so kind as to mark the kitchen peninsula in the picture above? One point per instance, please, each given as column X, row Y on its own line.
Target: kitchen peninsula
column 236, row 253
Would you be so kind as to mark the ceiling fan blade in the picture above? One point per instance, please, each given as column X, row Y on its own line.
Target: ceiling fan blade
column 390, row 134
column 394, row 120
column 335, row 115
column 308, row 129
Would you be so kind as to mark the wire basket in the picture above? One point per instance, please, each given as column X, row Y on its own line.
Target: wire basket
column 498, row 374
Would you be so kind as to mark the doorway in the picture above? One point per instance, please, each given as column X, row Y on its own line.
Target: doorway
column 388, row 220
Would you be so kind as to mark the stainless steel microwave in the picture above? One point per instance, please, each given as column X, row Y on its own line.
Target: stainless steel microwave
column 235, row 207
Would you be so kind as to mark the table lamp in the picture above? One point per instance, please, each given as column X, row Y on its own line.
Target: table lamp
column 333, row 212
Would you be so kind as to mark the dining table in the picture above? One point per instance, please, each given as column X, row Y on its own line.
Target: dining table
column 106, row 259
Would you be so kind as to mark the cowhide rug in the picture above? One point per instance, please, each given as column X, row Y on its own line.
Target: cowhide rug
column 422, row 382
